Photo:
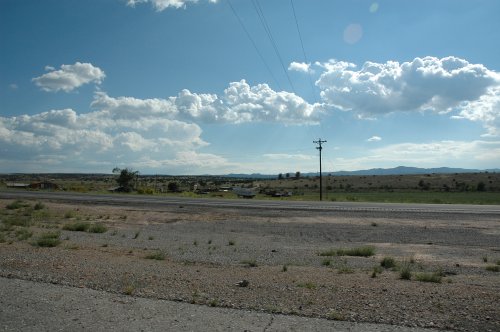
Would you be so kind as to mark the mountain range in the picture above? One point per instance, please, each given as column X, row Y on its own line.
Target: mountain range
column 400, row 170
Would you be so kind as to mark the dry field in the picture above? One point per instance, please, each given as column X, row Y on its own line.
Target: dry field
column 441, row 270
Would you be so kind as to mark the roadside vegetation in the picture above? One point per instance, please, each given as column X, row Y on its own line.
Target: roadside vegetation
column 456, row 188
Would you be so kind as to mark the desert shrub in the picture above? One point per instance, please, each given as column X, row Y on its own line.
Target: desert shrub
column 159, row 256
column 326, row 262
column 50, row 239
column 39, row 206
column 428, row 277
column 16, row 205
column 2, row 237
column 376, row 271
column 405, row 272
column 23, row 234
column 388, row 262
column 308, row 285
column 365, row 251
column 249, row 262
column 17, row 220
column 77, row 226
column 98, row 228
column 69, row 214
column 493, row 268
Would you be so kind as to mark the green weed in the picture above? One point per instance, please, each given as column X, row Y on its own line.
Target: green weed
column 77, row 226
column 98, row 228
column 50, row 239
column 388, row 262
column 159, row 256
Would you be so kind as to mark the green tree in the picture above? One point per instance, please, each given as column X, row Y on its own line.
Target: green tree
column 173, row 187
column 125, row 178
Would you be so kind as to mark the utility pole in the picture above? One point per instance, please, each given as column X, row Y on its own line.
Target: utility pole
column 319, row 147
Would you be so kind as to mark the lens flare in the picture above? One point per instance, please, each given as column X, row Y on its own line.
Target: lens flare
column 353, row 33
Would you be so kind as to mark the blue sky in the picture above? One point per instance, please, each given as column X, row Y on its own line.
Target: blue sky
column 178, row 87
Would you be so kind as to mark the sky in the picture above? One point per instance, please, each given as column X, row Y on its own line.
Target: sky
column 189, row 87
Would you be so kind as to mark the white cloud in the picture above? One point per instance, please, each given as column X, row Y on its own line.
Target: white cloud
column 474, row 154
column 239, row 103
column 424, row 84
column 69, row 77
column 161, row 5
column 374, row 139
column 300, row 67
column 486, row 109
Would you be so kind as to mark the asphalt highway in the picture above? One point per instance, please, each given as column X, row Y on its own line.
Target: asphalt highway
column 162, row 201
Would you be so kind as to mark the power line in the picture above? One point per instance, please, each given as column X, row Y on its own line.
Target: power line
column 303, row 49
column 254, row 44
column 267, row 29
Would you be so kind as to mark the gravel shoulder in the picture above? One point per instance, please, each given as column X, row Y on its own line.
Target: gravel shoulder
column 206, row 252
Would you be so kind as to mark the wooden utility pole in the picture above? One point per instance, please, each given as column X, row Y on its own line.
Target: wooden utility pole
column 319, row 147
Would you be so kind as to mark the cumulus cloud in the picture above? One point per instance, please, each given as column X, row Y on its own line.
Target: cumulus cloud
column 239, row 103
column 69, row 77
column 486, row 109
column 424, row 84
column 155, row 133
column 300, row 67
column 374, row 139
column 161, row 5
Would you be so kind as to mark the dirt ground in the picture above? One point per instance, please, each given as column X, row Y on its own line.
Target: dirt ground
column 203, row 255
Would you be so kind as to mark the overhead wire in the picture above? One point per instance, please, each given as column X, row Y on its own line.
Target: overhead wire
column 254, row 44
column 303, row 49
column 267, row 29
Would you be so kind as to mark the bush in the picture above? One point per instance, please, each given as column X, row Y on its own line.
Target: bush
column 360, row 251
column 50, row 239
column 493, row 268
column 405, row 272
column 16, row 205
column 23, row 234
column 429, row 277
column 77, row 226
column 249, row 263
column 159, row 256
column 39, row 206
column 388, row 262
column 98, row 228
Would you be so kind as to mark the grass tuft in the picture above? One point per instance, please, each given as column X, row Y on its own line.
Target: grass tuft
column 159, row 256
column 405, row 272
column 98, row 228
column 249, row 262
column 365, row 251
column 80, row 226
column 429, row 277
column 50, row 239
column 388, row 262
column 493, row 268
column 16, row 205
column 308, row 285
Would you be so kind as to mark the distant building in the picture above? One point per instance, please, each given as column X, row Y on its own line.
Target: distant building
column 44, row 185
column 18, row 185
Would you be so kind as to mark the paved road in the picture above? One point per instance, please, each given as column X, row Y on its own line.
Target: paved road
column 30, row 306
column 158, row 201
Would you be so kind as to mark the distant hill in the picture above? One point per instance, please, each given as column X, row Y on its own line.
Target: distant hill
column 400, row 170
